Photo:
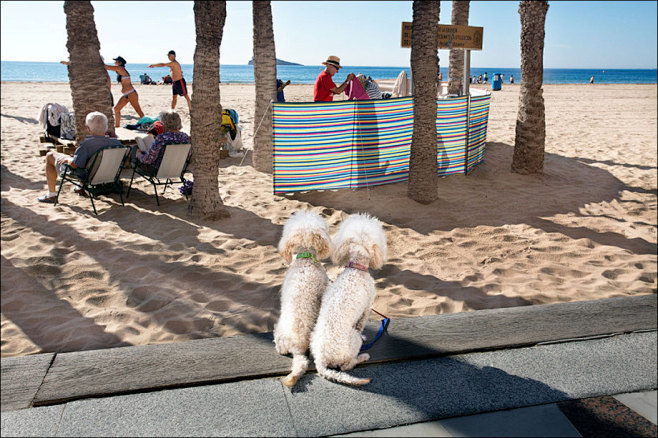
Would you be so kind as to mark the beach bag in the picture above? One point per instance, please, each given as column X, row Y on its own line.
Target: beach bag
column 67, row 126
column 229, row 122
column 234, row 145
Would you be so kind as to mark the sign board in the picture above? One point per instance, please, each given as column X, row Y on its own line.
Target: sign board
column 450, row 36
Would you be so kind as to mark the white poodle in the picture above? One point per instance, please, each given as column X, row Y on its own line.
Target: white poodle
column 337, row 338
column 305, row 235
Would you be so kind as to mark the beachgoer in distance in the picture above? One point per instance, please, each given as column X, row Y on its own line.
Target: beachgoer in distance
column 109, row 80
column 128, row 92
column 485, row 78
column 511, row 79
column 280, row 85
column 591, row 80
column 180, row 87
column 324, row 88
column 96, row 123
column 171, row 125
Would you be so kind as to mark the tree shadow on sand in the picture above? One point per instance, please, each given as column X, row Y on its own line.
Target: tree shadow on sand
column 38, row 306
column 214, row 292
column 21, row 119
column 566, row 186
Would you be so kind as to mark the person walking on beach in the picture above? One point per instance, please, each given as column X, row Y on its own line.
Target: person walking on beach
column 591, row 80
column 324, row 88
column 96, row 123
column 179, row 88
column 511, row 79
column 128, row 92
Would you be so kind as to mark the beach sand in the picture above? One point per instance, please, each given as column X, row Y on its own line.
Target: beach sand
column 143, row 274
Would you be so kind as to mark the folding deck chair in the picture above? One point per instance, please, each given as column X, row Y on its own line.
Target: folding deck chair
column 101, row 175
column 174, row 164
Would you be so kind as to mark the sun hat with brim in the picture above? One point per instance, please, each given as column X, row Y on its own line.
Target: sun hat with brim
column 333, row 60
column 120, row 59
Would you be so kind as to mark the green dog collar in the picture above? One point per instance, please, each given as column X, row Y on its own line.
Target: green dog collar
column 307, row 255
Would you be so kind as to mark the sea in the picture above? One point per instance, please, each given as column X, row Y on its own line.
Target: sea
column 19, row 71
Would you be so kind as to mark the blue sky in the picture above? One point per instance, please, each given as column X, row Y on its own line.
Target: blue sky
column 588, row 34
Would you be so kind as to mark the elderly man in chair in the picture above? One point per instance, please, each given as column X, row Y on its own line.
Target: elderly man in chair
column 96, row 123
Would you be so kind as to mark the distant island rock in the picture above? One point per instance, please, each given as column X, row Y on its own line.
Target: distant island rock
column 278, row 62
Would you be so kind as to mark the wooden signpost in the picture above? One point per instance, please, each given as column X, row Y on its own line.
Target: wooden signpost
column 452, row 36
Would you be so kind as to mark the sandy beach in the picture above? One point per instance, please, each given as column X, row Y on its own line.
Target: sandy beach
column 143, row 274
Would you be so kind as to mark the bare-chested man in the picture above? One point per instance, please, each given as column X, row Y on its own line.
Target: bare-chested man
column 179, row 87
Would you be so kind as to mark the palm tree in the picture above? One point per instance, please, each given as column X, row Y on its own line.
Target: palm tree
column 456, row 71
column 265, row 76
column 206, row 114
column 87, row 75
column 529, row 141
column 423, row 167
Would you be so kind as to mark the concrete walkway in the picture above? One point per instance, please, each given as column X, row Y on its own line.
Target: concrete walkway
column 536, row 390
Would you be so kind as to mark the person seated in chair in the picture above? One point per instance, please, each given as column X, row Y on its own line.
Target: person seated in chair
column 96, row 123
column 171, row 125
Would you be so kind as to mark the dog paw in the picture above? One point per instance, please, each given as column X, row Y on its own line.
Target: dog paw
column 363, row 337
column 363, row 357
column 289, row 381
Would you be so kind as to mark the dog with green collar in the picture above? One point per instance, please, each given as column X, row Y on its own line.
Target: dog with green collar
column 304, row 242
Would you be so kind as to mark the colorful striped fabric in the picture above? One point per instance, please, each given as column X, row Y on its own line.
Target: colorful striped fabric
column 351, row 144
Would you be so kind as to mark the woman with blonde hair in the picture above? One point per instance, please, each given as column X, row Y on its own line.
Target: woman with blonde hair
column 128, row 92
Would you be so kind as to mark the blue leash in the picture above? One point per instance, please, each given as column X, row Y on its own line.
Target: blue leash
column 382, row 329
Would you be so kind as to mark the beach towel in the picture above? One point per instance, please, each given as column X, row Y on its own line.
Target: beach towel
column 67, row 126
column 401, row 87
column 355, row 91
column 373, row 89
column 50, row 114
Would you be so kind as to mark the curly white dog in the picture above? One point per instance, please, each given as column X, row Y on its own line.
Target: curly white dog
column 305, row 235
column 337, row 338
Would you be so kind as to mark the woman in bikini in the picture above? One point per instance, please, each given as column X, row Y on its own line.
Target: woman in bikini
column 128, row 92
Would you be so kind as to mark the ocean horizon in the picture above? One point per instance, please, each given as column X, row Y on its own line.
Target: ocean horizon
column 23, row 71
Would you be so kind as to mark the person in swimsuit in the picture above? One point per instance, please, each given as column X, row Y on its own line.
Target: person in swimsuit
column 179, row 87
column 128, row 92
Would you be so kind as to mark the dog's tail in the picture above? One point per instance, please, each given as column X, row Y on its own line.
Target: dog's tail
column 300, row 364
column 339, row 376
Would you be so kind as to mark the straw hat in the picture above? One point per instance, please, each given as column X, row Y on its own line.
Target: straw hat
column 333, row 60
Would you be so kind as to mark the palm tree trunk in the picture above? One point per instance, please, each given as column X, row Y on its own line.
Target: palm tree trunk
column 423, row 167
column 265, row 76
column 529, row 142
column 456, row 71
column 206, row 114
column 87, row 75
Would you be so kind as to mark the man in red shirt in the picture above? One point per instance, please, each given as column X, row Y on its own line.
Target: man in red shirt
column 324, row 88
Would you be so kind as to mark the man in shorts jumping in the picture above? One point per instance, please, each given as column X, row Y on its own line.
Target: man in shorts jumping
column 179, row 88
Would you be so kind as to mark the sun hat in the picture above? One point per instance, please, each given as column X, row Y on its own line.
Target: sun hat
column 120, row 59
column 333, row 60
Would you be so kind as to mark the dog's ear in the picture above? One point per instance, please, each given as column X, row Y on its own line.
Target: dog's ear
column 285, row 249
column 322, row 244
column 340, row 252
column 377, row 257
